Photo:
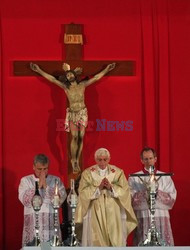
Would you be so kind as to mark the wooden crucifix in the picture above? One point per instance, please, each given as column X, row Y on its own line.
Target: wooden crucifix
column 72, row 38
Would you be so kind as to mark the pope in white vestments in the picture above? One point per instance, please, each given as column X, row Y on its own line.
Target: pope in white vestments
column 104, row 207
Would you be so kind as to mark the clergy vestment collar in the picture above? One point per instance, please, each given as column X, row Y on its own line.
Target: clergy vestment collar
column 145, row 171
column 102, row 172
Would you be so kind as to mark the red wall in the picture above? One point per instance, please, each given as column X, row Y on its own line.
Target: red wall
column 153, row 33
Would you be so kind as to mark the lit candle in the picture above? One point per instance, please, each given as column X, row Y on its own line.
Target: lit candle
column 73, row 199
column 152, row 186
column 56, row 200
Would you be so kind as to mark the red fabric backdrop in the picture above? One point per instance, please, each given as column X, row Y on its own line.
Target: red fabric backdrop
column 155, row 34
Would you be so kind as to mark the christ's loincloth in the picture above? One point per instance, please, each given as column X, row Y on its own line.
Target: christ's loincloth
column 76, row 118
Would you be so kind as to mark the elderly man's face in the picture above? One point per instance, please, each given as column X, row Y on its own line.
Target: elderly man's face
column 102, row 161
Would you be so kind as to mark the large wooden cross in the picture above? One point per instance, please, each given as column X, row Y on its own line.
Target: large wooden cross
column 72, row 39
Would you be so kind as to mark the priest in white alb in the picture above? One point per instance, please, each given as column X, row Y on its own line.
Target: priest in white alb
column 165, row 199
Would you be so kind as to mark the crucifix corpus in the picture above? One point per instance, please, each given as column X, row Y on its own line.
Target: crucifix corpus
column 76, row 114
column 65, row 75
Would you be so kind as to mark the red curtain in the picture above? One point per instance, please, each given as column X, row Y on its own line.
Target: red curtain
column 153, row 33
column 155, row 78
column 1, row 143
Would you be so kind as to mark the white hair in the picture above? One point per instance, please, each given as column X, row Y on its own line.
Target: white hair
column 101, row 152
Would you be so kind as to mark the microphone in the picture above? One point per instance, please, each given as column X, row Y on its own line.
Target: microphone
column 151, row 169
